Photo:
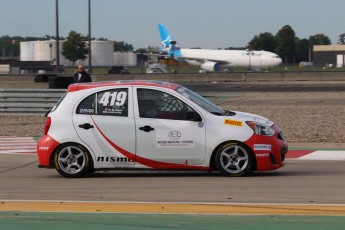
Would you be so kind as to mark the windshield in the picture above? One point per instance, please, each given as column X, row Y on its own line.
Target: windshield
column 201, row 101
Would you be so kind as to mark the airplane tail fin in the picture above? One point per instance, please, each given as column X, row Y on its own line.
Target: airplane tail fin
column 168, row 43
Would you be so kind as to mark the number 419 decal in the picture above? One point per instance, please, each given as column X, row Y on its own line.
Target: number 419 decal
column 117, row 98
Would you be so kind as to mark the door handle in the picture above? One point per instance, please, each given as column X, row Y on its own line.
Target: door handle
column 86, row 126
column 146, row 128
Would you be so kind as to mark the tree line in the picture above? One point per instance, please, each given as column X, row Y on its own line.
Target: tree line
column 289, row 47
column 284, row 43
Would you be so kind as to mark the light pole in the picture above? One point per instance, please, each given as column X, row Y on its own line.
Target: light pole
column 249, row 52
column 51, row 53
column 90, row 63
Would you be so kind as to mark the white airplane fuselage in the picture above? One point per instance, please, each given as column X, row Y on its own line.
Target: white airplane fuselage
column 231, row 58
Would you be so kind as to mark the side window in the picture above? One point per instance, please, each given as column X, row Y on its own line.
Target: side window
column 161, row 105
column 87, row 106
column 110, row 103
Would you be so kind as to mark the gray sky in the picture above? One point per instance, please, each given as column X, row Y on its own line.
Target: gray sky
column 192, row 23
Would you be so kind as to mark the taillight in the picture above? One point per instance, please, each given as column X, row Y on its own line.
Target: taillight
column 47, row 125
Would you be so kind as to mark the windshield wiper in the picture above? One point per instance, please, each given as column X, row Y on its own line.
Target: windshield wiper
column 226, row 113
column 218, row 113
column 229, row 113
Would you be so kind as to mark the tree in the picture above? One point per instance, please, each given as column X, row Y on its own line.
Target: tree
column 8, row 47
column 341, row 39
column 265, row 41
column 302, row 49
column 74, row 48
column 286, row 44
column 319, row 39
column 123, row 46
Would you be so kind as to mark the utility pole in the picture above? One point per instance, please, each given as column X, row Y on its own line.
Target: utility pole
column 90, row 62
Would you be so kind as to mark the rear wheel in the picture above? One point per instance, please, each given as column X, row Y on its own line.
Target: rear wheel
column 72, row 160
column 234, row 159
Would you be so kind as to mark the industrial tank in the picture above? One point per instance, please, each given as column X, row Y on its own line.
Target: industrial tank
column 37, row 50
column 42, row 51
column 125, row 59
column 27, row 51
column 101, row 53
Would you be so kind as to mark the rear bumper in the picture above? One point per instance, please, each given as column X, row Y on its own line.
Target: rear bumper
column 45, row 148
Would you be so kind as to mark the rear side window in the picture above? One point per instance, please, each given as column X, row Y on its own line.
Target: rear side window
column 109, row 103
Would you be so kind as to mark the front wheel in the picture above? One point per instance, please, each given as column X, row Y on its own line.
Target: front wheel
column 72, row 160
column 234, row 159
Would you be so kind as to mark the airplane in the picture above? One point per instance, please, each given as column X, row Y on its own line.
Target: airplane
column 210, row 60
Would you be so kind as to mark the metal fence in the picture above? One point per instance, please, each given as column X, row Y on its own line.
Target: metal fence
column 29, row 101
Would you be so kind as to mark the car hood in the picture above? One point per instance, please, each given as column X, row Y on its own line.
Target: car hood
column 251, row 117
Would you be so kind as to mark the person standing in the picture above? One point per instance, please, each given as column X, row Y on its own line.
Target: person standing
column 81, row 75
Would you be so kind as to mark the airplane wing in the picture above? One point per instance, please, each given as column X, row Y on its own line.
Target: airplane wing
column 203, row 60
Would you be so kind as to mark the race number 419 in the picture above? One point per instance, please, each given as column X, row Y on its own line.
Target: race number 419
column 116, row 98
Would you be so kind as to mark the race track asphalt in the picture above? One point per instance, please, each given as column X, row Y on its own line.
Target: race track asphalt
column 305, row 194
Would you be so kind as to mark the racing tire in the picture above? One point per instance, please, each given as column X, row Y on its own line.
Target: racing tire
column 59, row 82
column 72, row 160
column 234, row 159
column 41, row 78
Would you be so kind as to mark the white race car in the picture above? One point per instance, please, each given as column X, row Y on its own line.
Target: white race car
column 154, row 125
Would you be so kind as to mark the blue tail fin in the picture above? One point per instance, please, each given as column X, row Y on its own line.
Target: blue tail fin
column 165, row 36
column 168, row 43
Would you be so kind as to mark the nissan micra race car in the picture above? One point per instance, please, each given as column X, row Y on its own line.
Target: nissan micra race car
column 154, row 125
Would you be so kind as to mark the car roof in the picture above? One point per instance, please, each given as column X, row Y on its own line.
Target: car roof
column 91, row 85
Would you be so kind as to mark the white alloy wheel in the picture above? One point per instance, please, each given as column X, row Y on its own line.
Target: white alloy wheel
column 234, row 159
column 71, row 160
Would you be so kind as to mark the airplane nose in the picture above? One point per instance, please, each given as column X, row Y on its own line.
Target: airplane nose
column 279, row 61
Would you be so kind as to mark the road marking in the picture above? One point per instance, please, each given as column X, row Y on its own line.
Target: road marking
column 174, row 208
column 17, row 145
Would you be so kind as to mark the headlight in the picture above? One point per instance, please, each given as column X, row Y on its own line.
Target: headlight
column 260, row 129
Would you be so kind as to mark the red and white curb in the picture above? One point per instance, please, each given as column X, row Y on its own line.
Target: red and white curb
column 17, row 145
column 332, row 155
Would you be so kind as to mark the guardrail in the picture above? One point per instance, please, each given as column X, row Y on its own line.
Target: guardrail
column 33, row 101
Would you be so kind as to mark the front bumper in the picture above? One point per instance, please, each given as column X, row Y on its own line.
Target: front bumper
column 269, row 151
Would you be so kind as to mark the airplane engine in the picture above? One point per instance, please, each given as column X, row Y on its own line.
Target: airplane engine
column 210, row 66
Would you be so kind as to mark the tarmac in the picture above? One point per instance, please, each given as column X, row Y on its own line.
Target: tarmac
column 107, row 215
